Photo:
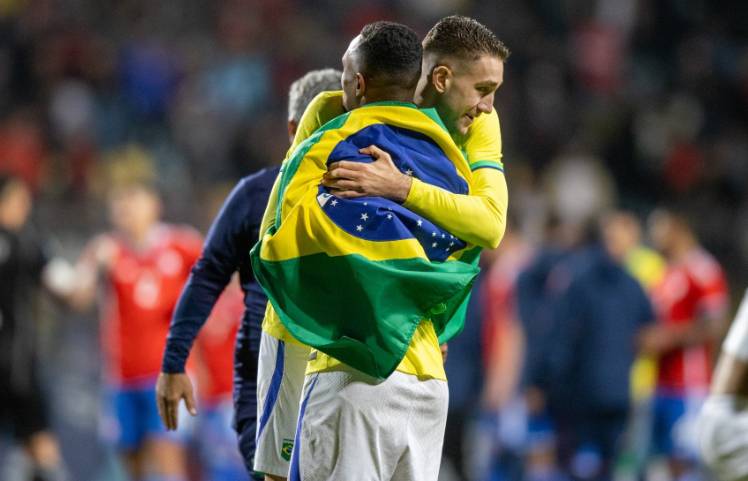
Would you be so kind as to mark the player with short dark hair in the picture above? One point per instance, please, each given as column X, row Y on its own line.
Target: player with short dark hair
column 478, row 217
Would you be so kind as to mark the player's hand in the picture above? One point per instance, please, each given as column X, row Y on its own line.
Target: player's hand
column 170, row 389
column 654, row 340
column 380, row 178
column 445, row 352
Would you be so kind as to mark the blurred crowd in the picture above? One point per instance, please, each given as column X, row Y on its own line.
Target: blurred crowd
column 610, row 109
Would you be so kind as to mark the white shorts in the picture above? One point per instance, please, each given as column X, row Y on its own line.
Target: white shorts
column 724, row 437
column 353, row 427
column 280, row 377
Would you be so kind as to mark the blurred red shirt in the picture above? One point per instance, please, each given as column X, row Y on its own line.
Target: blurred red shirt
column 144, row 286
column 690, row 291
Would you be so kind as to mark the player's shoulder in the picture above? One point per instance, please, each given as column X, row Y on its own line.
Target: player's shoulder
column 261, row 179
column 180, row 236
column 703, row 268
column 329, row 101
column 485, row 125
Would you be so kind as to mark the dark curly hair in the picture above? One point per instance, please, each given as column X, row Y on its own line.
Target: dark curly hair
column 463, row 37
column 391, row 53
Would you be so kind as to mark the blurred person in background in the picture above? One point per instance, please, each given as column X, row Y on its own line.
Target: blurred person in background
column 142, row 265
column 465, row 371
column 539, row 290
column 503, row 352
column 691, row 303
column 723, row 432
column 595, row 330
column 235, row 230
column 24, row 268
column 622, row 234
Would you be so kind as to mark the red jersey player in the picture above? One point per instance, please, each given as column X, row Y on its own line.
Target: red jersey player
column 216, row 440
column 691, row 303
column 144, row 265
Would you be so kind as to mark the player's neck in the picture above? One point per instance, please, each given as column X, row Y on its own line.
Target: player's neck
column 683, row 249
column 139, row 238
column 426, row 97
column 388, row 94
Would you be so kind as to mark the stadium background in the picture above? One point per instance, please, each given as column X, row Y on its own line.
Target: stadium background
column 633, row 103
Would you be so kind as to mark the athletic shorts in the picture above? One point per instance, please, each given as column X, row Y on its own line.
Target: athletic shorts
column 280, row 378
column 23, row 411
column 723, row 436
column 352, row 426
column 674, row 425
column 131, row 417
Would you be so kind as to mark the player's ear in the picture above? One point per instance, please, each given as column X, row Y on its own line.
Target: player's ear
column 441, row 78
column 293, row 126
column 360, row 85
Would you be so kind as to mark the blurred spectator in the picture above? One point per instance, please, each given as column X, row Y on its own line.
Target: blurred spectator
column 504, row 348
column 691, row 304
column 622, row 234
column 540, row 289
column 594, row 345
column 23, row 404
column 142, row 264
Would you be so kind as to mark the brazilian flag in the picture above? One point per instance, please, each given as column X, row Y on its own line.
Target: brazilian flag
column 353, row 278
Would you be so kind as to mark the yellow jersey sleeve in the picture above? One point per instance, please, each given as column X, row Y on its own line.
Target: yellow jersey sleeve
column 482, row 145
column 323, row 108
column 480, row 217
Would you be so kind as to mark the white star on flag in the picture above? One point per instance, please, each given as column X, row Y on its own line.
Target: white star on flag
column 334, row 203
column 366, row 203
column 451, row 244
column 389, row 216
column 433, row 245
column 364, row 216
column 420, row 222
column 409, row 172
column 443, row 236
column 433, row 234
column 359, row 228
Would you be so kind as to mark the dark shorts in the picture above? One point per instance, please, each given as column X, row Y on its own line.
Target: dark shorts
column 23, row 410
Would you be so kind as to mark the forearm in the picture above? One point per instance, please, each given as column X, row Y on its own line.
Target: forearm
column 478, row 218
column 730, row 376
column 505, row 365
column 199, row 296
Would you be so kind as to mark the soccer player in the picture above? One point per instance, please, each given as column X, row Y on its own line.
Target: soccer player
column 463, row 67
column 234, row 231
column 691, row 303
column 24, row 268
column 143, row 264
column 724, row 417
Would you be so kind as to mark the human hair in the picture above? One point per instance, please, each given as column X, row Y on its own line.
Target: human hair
column 304, row 89
column 7, row 180
column 463, row 37
column 391, row 54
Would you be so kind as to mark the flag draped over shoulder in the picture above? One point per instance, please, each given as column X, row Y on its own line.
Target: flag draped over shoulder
column 353, row 278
